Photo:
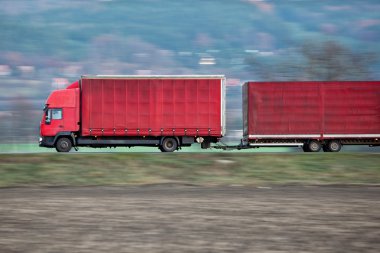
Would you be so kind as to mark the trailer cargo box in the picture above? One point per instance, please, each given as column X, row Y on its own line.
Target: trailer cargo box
column 301, row 112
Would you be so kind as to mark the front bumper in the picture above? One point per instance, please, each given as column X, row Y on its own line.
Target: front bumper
column 46, row 141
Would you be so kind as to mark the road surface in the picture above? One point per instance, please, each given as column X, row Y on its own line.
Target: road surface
column 175, row 218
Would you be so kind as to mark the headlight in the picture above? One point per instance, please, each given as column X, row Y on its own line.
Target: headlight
column 40, row 139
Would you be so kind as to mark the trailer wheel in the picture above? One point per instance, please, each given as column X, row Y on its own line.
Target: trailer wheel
column 334, row 146
column 63, row 145
column 169, row 145
column 314, row 146
column 305, row 148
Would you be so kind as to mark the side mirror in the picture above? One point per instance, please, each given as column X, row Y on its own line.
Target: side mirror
column 47, row 120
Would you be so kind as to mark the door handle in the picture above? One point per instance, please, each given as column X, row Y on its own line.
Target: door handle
column 60, row 126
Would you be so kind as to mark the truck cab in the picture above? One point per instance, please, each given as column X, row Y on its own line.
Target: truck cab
column 60, row 119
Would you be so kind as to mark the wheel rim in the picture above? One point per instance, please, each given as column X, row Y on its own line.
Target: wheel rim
column 334, row 146
column 64, row 145
column 169, row 144
column 314, row 146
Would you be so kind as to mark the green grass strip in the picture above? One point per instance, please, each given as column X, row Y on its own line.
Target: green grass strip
column 115, row 169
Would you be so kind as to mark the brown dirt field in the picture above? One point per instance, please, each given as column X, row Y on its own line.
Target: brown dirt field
column 175, row 218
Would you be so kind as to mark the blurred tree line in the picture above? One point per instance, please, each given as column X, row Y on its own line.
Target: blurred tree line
column 247, row 40
column 324, row 61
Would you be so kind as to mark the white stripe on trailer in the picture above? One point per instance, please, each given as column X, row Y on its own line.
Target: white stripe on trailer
column 351, row 135
column 285, row 136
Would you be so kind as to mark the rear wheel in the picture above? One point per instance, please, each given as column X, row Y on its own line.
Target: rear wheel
column 314, row 146
column 169, row 145
column 305, row 147
column 63, row 145
column 334, row 146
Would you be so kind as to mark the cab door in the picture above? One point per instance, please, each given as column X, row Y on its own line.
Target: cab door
column 54, row 122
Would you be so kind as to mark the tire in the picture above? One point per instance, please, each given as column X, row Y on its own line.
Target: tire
column 63, row 145
column 169, row 145
column 314, row 146
column 305, row 147
column 334, row 146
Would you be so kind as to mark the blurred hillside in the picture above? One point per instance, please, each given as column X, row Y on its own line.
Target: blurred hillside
column 46, row 44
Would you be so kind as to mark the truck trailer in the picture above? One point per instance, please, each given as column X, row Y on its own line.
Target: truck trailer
column 313, row 115
column 167, row 112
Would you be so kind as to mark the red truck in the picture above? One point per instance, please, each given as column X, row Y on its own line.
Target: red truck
column 167, row 112
column 314, row 115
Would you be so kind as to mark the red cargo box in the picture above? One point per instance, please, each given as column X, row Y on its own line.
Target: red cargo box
column 273, row 110
column 153, row 106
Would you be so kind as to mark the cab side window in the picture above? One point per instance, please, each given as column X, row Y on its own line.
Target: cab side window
column 56, row 113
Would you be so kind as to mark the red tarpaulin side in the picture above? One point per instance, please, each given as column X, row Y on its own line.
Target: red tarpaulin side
column 311, row 108
column 352, row 108
column 151, row 107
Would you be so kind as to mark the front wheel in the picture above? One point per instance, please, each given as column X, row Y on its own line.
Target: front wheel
column 63, row 145
column 169, row 145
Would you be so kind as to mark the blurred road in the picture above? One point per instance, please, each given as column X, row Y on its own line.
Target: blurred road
column 175, row 218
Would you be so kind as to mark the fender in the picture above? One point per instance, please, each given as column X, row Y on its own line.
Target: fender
column 66, row 134
column 175, row 137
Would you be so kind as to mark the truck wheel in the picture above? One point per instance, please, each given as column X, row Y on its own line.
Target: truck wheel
column 169, row 145
column 314, row 146
column 325, row 148
column 305, row 147
column 334, row 146
column 63, row 144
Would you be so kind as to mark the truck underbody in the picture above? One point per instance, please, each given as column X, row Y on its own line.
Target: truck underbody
column 308, row 145
column 64, row 142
